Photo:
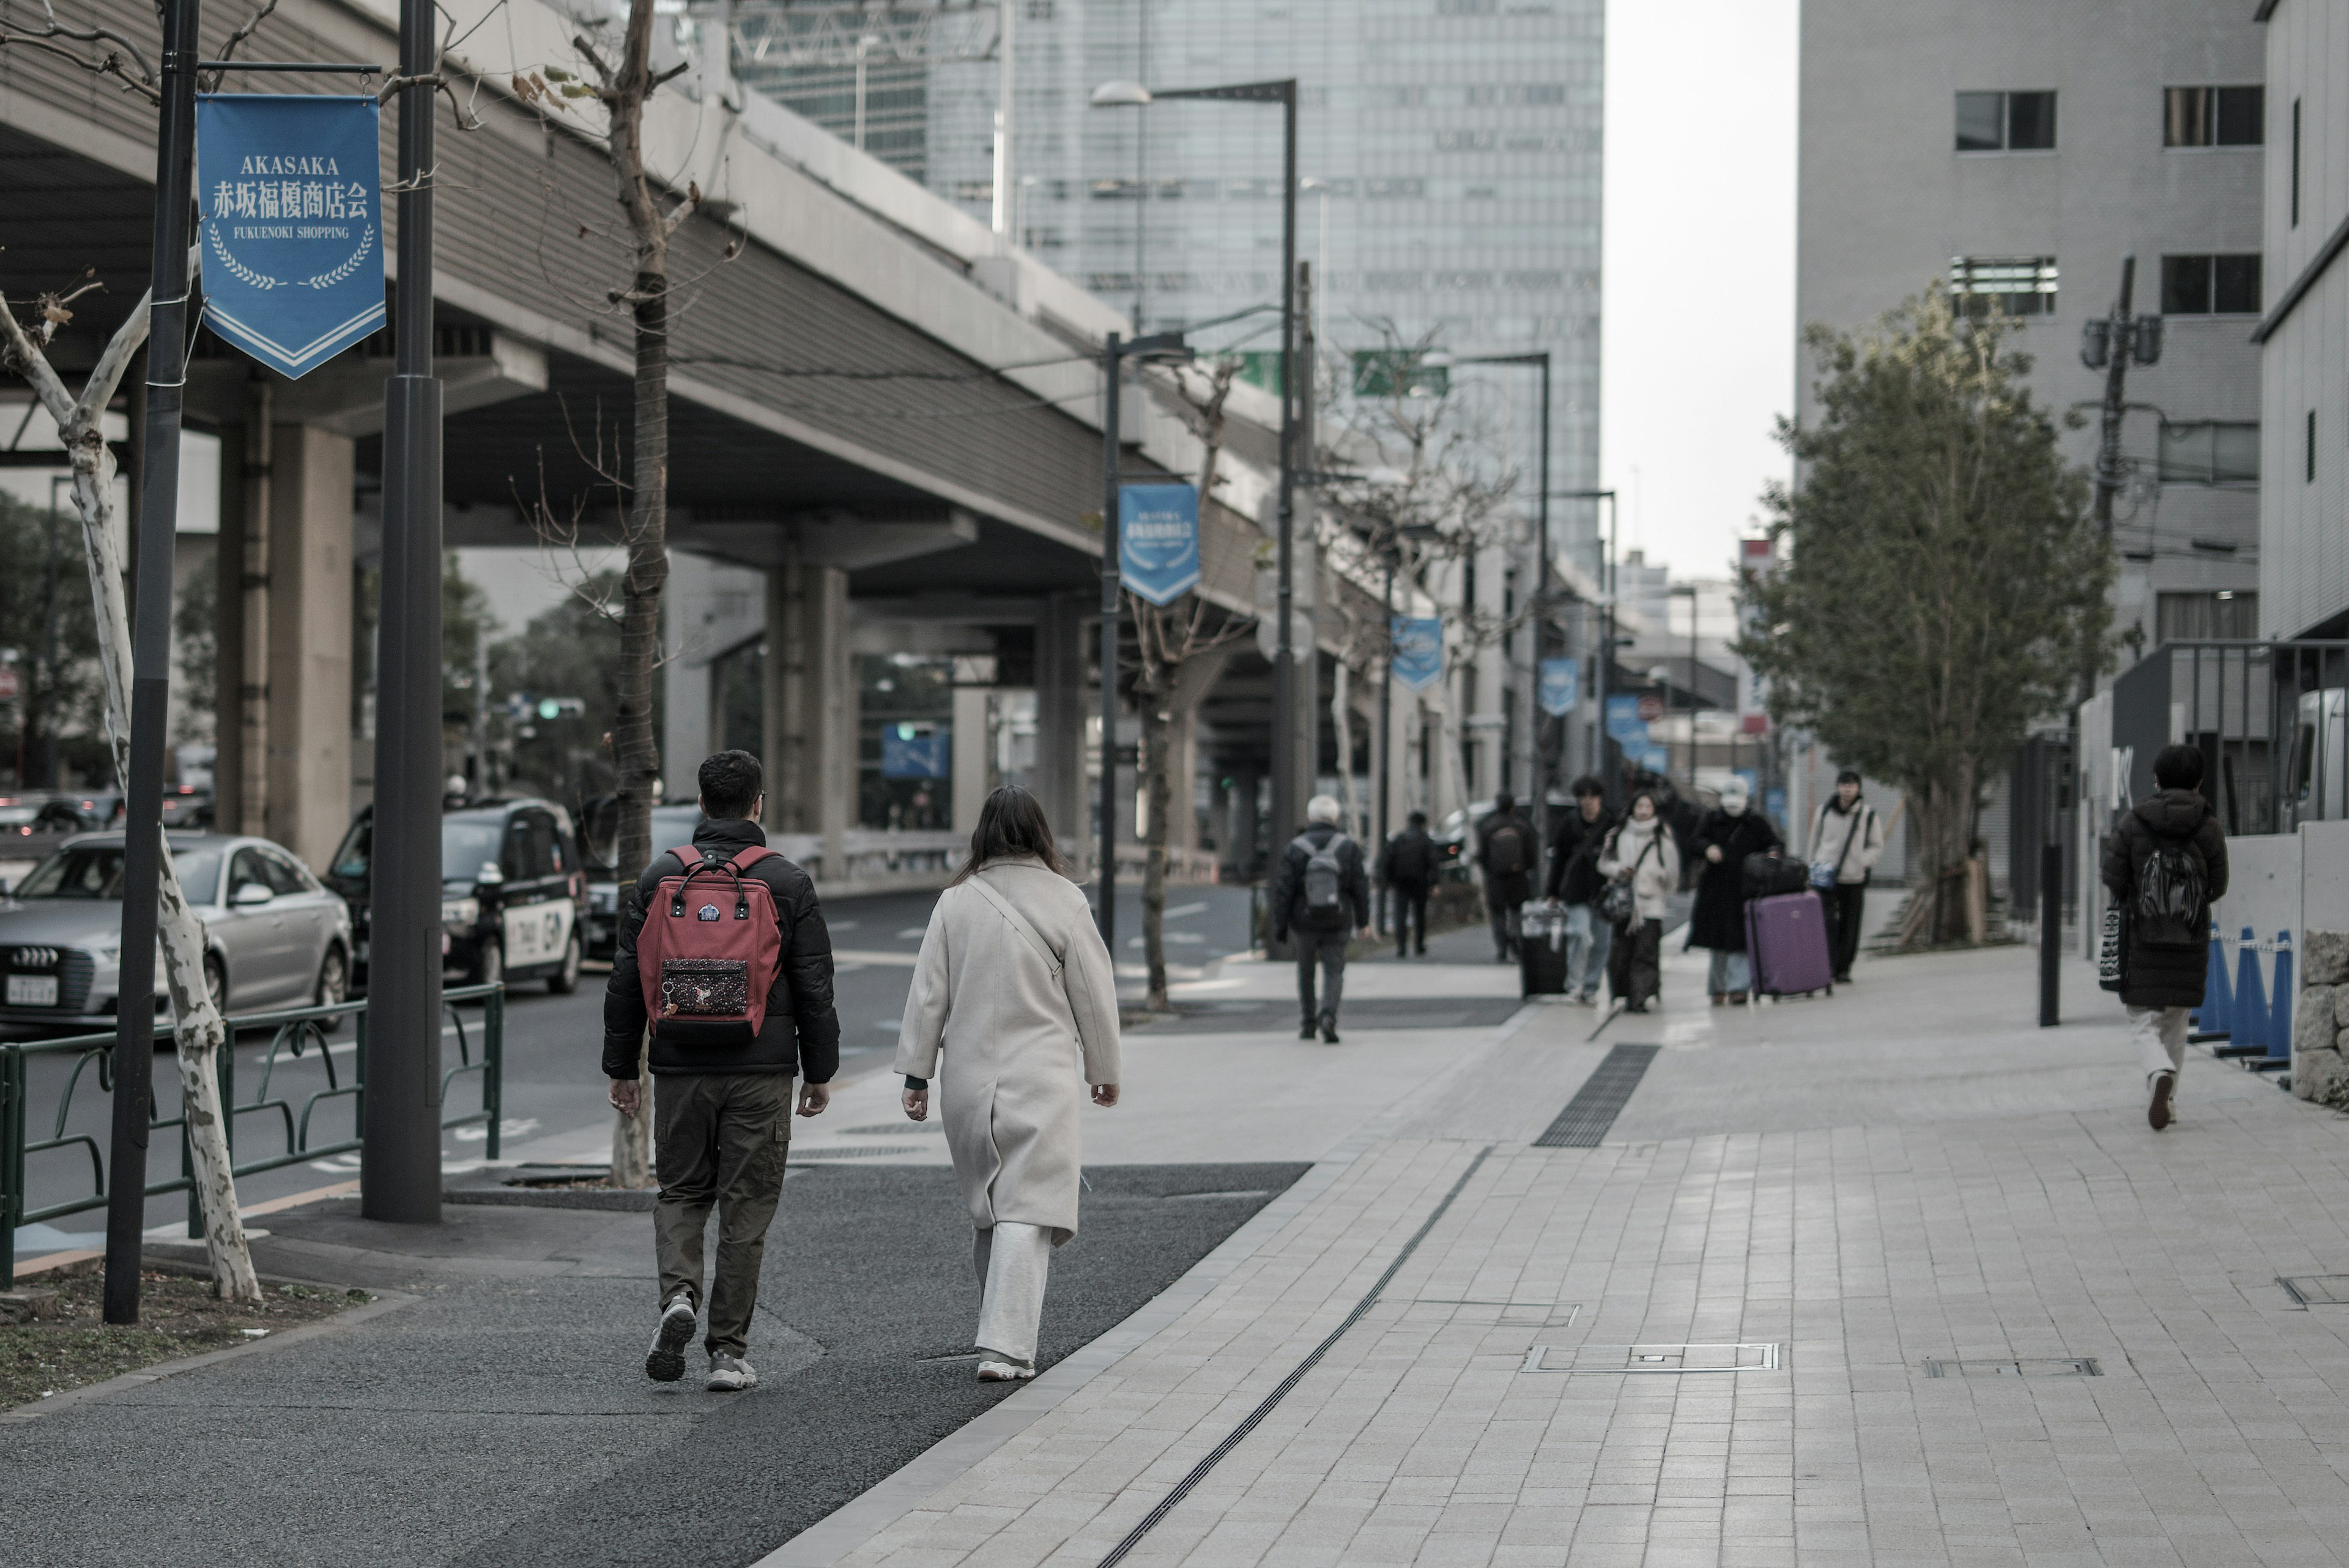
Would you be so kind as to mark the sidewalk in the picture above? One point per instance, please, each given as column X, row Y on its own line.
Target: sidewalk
column 1814, row 1298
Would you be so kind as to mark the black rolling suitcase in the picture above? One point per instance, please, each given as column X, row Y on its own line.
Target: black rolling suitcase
column 1541, row 950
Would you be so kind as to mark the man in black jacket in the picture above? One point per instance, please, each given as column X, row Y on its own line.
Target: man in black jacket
column 1407, row 866
column 1321, row 893
column 2166, row 865
column 1506, row 851
column 1574, row 881
column 721, row 1114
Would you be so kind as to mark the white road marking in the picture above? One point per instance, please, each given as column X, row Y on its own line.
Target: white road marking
column 1179, row 911
column 912, row 933
column 866, row 955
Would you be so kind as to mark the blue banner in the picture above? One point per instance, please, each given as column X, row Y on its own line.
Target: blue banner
column 917, row 751
column 1417, row 660
column 1158, row 540
column 1624, row 725
column 292, row 233
column 1561, row 686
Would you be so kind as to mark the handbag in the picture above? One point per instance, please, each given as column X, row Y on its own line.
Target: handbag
column 1619, row 905
column 2112, row 954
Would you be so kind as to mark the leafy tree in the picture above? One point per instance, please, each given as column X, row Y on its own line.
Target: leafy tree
column 60, row 700
column 1940, row 577
column 570, row 651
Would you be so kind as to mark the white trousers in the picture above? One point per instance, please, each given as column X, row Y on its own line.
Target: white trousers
column 1012, row 1261
column 2160, row 1036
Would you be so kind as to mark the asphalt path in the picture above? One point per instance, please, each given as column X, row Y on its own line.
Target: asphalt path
column 504, row 1418
column 554, row 1088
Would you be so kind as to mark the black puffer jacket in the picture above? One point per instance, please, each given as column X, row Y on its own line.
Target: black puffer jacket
column 1288, row 907
column 2164, row 977
column 1574, row 854
column 802, row 1034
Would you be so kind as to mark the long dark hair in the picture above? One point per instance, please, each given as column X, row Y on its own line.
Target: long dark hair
column 1010, row 824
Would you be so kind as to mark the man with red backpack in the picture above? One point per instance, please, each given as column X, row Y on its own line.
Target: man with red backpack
column 2166, row 865
column 722, row 948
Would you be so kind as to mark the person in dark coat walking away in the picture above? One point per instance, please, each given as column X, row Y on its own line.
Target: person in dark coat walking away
column 1321, row 894
column 1641, row 852
column 1505, row 847
column 1846, row 840
column 1407, row 869
column 1728, row 834
column 1575, row 882
column 723, row 1114
column 2166, row 865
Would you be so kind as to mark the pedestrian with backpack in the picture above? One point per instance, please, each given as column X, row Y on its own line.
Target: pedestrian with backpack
column 1014, row 990
column 722, row 949
column 1506, row 847
column 2166, row 865
column 1408, row 866
column 1321, row 895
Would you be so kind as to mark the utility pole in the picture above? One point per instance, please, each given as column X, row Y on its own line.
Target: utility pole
column 1112, row 546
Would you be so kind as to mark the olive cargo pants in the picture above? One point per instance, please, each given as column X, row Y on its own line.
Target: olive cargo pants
column 719, row 1138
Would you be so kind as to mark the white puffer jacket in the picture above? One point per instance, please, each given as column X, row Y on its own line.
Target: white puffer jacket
column 1659, row 867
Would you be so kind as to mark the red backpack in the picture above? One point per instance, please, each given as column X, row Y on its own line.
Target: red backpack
column 709, row 950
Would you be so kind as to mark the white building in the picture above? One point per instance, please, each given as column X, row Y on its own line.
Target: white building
column 2021, row 149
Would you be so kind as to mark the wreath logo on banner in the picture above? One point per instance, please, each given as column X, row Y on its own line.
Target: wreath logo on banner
column 252, row 279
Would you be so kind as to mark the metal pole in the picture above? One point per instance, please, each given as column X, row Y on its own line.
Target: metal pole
column 2051, row 931
column 1106, row 872
column 399, row 1174
column 1544, row 773
column 1386, row 722
column 150, row 663
column 1286, row 803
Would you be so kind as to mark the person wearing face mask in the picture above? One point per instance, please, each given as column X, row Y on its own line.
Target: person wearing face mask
column 1640, row 852
column 1729, row 833
column 1846, row 840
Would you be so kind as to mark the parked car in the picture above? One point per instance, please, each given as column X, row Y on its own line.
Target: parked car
column 513, row 893
column 273, row 936
column 673, row 828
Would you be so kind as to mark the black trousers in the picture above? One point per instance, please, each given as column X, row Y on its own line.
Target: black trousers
column 1635, row 962
column 1505, row 917
column 1847, row 912
column 1407, row 903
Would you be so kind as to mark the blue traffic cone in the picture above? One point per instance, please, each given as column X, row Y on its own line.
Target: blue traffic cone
column 2279, row 1017
column 2212, row 1017
column 2247, row 1014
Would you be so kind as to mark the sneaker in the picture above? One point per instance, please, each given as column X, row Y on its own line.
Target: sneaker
column 1329, row 1029
column 730, row 1374
column 994, row 1369
column 665, row 1362
column 2165, row 1087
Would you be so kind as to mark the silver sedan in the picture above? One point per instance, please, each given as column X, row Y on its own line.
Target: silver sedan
column 273, row 936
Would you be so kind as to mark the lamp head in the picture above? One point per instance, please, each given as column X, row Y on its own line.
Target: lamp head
column 1120, row 95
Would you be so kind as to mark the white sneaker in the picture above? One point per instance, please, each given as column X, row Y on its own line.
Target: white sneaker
column 994, row 1370
column 731, row 1374
column 665, row 1362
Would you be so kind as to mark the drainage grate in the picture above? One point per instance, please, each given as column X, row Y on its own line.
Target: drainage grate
column 2017, row 1367
column 2317, row 1290
column 1619, row 1359
column 1600, row 1099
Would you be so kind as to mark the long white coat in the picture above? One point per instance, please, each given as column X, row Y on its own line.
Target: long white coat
column 1020, row 1039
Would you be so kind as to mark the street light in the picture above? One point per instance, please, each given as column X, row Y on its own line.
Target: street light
column 1159, row 348
column 1285, row 750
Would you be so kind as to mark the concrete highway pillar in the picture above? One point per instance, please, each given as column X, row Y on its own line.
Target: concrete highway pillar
column 1061, row 720
column 811, row 706
column 777, row 691
column 309, row 621
column 974, row 759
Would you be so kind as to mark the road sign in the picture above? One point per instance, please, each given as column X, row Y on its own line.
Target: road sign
column 917, row 751
column 1652, row 707
column 1561, row 686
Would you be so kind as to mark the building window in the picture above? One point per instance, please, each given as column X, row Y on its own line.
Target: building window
column 2210, row 286
column 2213, row 116
column 2006, row 121
column 2179, row 617
column 2210, row 452
column 2005, row 286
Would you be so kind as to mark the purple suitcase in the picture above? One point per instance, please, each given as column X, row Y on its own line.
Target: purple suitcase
column 1786, row 945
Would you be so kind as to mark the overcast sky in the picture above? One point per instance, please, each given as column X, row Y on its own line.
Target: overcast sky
column 1700, row 269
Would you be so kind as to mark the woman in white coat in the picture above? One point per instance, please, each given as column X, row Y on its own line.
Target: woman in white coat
column 1015, row 987
column 1640, row 852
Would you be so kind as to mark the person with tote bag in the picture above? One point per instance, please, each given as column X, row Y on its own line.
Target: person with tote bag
column 1014, row 987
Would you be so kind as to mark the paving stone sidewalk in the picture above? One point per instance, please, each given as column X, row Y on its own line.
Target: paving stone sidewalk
column 1807, row 1212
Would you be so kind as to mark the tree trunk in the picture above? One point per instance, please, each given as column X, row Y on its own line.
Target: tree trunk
column 199, row 1028
column 1157, row 732
column 635, row 752
column 1341, row 715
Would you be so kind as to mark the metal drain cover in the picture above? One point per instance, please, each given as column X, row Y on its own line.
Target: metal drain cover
column 2017, row 1367
column 2317, row 1290
column 1622, row 1359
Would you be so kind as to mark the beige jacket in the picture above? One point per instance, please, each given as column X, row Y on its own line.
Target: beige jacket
column 1022, row 1034
column 1659, row 869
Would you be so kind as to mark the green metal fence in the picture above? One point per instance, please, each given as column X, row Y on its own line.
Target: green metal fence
column 294, row 1032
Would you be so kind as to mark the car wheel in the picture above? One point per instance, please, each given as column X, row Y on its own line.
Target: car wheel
column 216, row 985
column 334, row 985
column 565, row 979
column 491, row 968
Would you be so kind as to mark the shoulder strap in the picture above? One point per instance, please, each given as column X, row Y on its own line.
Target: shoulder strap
column 1019, row 923
column 1857, row 829
column 750, row 856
